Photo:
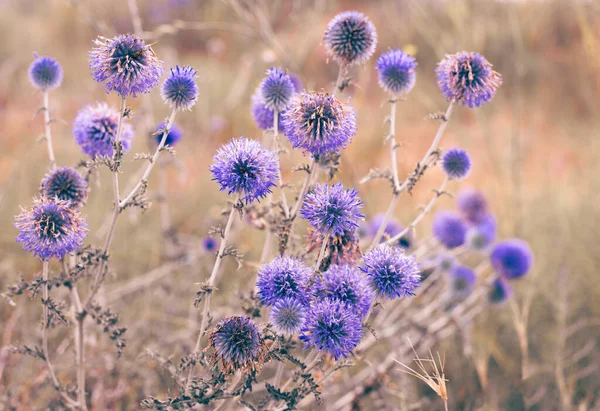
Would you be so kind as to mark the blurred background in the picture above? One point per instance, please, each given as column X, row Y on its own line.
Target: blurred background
column 535, row 149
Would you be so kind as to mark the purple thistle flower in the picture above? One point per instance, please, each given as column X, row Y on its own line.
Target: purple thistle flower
column 209, row 244
column 342, row 249
column 50, row 228
column 45, row 73
column 174, row 136
column 331, row 209
column 456, row 163
column 346, row 284
column 462, row 280
column 263, row 117
column 512, row 258
column 180, row 90
column 65, row 183
column 95, row 129
column 500, row 291
column 333, row 328
column 350, row 38
column 392, row 229
column 126, row 63
column 449, row 229
column 277, row 89
column 445, row 262
column 284, row 277
column 288, row 316
column 480, row 236
column 238, row 344
column 396, row 71
column 245, row 167
column 392, row 273
column 318, row 123
column 467, row 78
column 472, row 205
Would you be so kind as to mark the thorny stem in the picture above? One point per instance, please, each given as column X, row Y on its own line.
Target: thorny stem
column 48, row 131
column 339, row 82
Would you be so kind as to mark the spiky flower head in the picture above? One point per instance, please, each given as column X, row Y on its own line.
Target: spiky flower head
column 45, row 73
column 350, row 38
column 175, row 134
column 332, row 328
column 51, row 228
column 180, row 90
column 127, row 64
column 238, row 344
column 65, row 183
column 277, row 89
column 396, row 71
column 95, row 130
column 318, row 123
column 456, row 163
column 500, row 291
column 341, row 248
column 348, row 285
column 288, row 316
column 284, row 277
column 482, row 235
column 392, row 273
column 332, row 210
column 512, row 258
column 243, row 166
column 449, row 229
column 468, row 78
column 472, row 205
column 392, row 229
column 462, row 280
column 445, row 262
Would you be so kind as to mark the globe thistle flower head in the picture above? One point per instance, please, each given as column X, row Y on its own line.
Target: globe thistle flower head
column 180, row 90
column 449, row 229
column 263, row 116
column 332, row 328
column 95, row 130
column 127, row 65
column 512, row 258
column 243, row 166
column 346, row 284
column 396, row 71
column 318, row 123
column 350, row 38
column 456, row 163
column 392, row 229
column 210, row 244
column 65, row 183
column 277, row 89
column 468, row 78
column 332, row 210
column 462, row 280
column 174, row 136
column 284, row 277
column 288, row 316
column 51, row 228
column 481, row 236
column 341, row 248
column 237, row 344
column 472, row 205
column 45, row 73
column 445, row 262
column 392, row 273
column 500, row 291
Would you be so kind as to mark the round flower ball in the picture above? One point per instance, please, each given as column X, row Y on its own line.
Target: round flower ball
column 350, row 38
column 472, row 205
column 462, row 280
column 288, row 316
column 512, row 258
column 277, row 89
column 51, row 228
column 284, row 277
column 45, row 73
column 396, row 71
column 467, row 78
column 445, row 262
column 210, row 244
column 482, row 235
column 180, row 90
column 449, row 229
column 500, row 291
column 243, row 166
column 238, row 344
column 456, row 164
column 66, row 184
column 346, row 284
column 95, row 130
column 173, row 137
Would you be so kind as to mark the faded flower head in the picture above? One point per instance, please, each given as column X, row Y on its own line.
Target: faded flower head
column 500, row 291
column 180, row 90
column 467, row 78
column 396, row 71
column 51, row 228
column 284, row 277
column 173, row 136
column 277, row 89
column 238, row 344
column 462, row 280
column 342, row 248
column 391, row 272
column 288, row 316
column 45, row 73
column 65, row 183
column 392, row 229
column 445, row 262
column 350, row 38
column 348, row 285
column 449, row 229
column 512, row 258
column 472, row 205
column 95, row 130
column 456, row 163
column 332, row 328
column 332, row 210
column 126, row 63
column 245, row 167
column 482, row 235
column 319, row 123
column 209, row 244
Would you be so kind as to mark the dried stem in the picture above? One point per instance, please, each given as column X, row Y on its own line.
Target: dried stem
column 307, row 182
column 48, row 131
column 286, row 208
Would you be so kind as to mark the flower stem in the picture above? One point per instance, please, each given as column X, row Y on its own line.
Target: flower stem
column 307, row 182
column 322, row 252
column 286, row 209
column 48, row 131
